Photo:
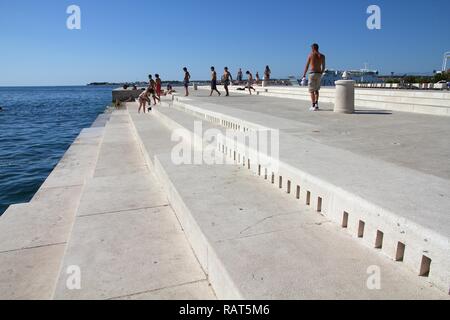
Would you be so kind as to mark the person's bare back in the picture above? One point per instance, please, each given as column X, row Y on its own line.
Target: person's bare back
column 317, row 61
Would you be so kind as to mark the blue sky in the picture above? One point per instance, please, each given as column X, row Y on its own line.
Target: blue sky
column 126, row 40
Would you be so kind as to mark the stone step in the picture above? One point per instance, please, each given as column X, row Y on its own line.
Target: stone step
column 126, row 241
column 33, row 236
column 435, row 110
column 151, row 134
column 256, row 242
column 433, row 103
column 382, row 93
column 419, row 101
column 370, row 200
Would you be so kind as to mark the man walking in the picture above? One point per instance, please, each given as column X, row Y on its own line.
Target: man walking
column 227, row 80
column 250, row 82
column 213, row 82
column 316, row 61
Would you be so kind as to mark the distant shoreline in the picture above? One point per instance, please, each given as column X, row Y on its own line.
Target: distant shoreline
column 52, row 86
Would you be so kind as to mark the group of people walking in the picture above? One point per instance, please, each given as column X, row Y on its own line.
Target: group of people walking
column 227, row 80
column 267, row 73
column 315, row 66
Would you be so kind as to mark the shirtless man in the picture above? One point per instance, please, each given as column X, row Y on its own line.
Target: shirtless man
column 250, row 82
column 214, row 82
column 316, row 61
column 187, row 78
column 227, row 79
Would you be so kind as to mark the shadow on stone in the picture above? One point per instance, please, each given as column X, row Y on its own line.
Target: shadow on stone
column 376, row 112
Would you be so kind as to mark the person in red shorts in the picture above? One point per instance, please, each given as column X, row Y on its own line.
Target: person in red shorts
column 152, row 89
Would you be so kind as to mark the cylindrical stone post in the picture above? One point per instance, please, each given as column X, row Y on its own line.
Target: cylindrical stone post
column 345, row 96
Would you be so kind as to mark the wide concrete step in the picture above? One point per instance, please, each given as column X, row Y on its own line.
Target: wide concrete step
column 33, row 236
column 383, row 93
column 258, row 243
column 433, row 103
column 126, row 241
column 428, row 101
column 327, row 95
column 350, row 188
column 406, row 93
column 255, row 241
column 435, row 110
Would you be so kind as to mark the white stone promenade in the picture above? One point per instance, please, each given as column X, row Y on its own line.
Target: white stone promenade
column 357, row 210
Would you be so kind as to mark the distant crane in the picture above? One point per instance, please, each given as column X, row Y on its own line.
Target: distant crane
column 444, row 64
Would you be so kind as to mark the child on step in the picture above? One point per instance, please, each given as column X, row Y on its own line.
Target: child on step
column 143, row 99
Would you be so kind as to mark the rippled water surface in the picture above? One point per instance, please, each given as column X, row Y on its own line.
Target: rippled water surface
column 37, row 126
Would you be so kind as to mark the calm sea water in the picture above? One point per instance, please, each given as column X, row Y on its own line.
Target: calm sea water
column 37, row 126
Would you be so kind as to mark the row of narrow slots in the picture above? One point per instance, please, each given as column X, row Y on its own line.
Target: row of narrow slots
column 289, row 189
column 212, row 119
column 224, row 123
column 234, row 126
column 425, row 266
